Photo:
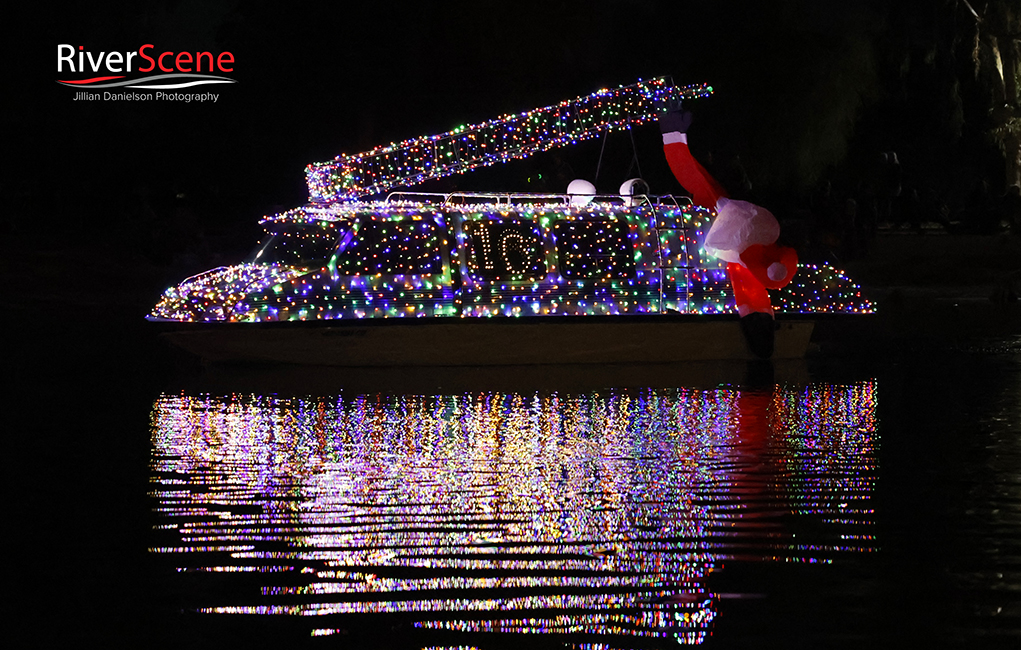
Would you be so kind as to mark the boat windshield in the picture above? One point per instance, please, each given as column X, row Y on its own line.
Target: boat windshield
column 297, row 244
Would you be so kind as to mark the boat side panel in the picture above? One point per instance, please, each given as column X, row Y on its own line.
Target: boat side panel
column 391, row 265
column 694, row 282
column 564, row 261
column 491, row 260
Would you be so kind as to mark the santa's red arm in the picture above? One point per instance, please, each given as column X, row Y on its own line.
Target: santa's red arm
column 704, row 189
column 750, row 295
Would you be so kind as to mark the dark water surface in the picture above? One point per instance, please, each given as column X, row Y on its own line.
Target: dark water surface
column 596, row 514
column 868, row 501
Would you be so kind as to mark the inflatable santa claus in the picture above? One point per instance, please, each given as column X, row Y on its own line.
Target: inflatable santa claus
column 742, row 234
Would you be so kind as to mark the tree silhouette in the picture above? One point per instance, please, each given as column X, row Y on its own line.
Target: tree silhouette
column 996, row 55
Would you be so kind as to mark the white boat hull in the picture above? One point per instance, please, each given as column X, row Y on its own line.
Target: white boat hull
column 487, row 342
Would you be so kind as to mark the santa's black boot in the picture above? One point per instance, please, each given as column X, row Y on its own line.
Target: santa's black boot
column 759, row 331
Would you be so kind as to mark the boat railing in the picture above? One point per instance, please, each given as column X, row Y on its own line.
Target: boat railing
column 669, row 200
column 532, row 198
column 498, row 198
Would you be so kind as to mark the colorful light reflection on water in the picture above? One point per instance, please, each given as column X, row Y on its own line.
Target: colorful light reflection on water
column 595, row 514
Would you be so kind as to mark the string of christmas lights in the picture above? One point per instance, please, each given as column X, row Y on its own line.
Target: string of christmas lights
column 390, row 260
column 513, row 136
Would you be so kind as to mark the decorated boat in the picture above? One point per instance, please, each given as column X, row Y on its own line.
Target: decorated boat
column 371, row 273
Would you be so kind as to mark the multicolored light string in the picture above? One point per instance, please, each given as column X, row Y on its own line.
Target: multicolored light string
column 514, row 136
column 413, row 260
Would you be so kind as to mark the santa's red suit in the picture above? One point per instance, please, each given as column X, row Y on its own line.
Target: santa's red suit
column 742, row 234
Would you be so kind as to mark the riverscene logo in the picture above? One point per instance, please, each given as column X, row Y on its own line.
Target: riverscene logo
column 172, row 72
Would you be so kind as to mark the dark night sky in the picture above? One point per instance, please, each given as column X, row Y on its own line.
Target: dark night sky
column 99, row 199
column 318, row 79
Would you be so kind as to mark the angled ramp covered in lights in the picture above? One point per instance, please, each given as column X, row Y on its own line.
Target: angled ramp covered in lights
column 515, row 136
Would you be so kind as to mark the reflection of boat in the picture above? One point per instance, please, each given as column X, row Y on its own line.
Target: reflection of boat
column 415, row 278
column 603, row 514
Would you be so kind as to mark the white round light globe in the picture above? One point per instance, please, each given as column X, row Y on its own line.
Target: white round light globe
column 632, row 189
column 581, row 191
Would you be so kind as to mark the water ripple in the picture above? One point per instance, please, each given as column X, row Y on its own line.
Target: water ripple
column 599, row 514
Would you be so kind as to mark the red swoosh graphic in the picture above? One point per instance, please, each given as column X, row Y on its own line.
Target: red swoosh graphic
column 88, row 81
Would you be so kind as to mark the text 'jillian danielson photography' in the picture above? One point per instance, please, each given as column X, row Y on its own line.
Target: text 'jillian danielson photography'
column 106, row 96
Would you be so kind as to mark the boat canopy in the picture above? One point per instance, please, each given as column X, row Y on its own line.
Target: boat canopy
column 514, row 136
